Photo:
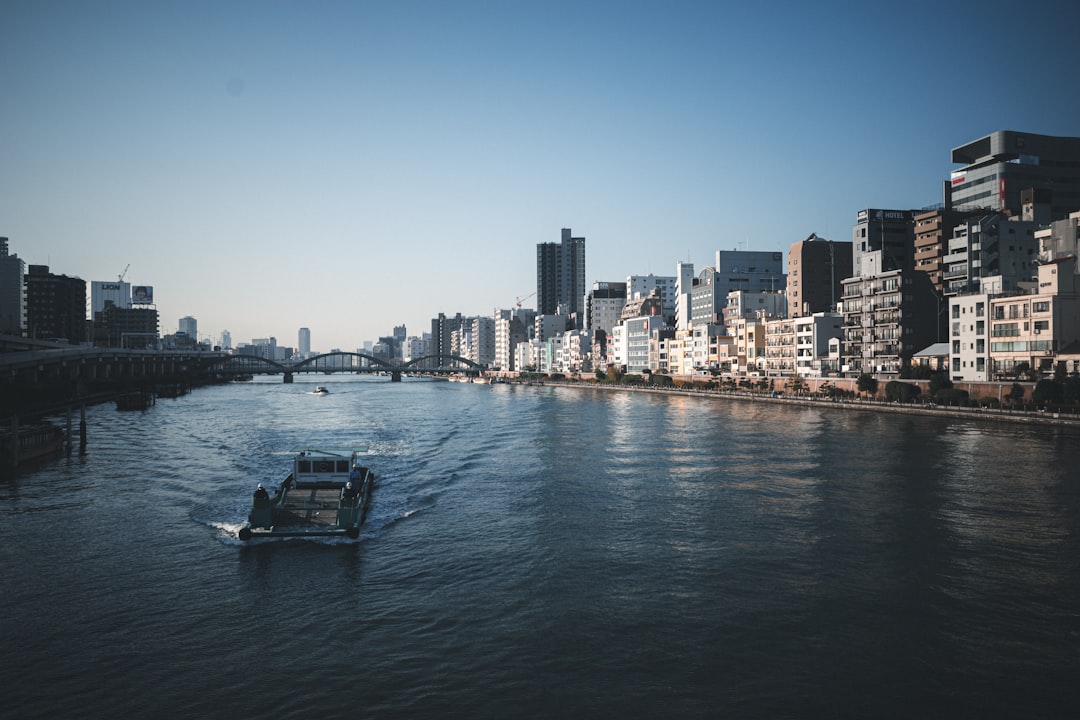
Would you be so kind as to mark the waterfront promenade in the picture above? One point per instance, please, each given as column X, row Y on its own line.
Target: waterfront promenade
column 1031, row 417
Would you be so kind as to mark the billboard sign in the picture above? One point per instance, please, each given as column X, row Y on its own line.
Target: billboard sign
column 142, row 295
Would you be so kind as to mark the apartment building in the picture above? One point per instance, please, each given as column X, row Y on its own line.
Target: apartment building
column 888, row 317
column 1035, row 329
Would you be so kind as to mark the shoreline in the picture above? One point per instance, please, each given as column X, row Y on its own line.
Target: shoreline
column 977, row 413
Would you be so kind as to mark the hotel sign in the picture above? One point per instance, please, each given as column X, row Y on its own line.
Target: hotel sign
column 881, row 215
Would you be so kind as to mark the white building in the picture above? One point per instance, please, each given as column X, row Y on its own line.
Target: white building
column 116, row 292
column 483, row 335
column 617, row 346
column 814, row 335
column 604, row 305
column 639, row 286
column 638, row 331
column 969, row 349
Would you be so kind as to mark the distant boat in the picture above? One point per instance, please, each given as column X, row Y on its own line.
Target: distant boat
column 320, row 390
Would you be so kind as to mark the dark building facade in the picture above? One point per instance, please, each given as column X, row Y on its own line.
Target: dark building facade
column 815, row 268
column 883, row 240
column 12, row 297
column 560, row 276
column 55, row 306
column 132, row 328
column 442, row 331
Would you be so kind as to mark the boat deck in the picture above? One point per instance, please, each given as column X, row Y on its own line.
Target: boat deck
column 309, row 506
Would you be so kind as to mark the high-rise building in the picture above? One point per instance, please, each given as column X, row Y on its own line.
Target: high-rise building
column 997, row 168
column 55, row 306
column 188, row 326
column 815, row 268
column 12, row 305
column 560, row 277
column 442, row 329
column 303, row 342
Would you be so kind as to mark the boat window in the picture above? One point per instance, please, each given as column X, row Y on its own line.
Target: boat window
column 343, row 466
column 304, row 466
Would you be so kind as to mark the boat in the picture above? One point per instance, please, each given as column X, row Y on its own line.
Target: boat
column 326, row 494
column 320, row 390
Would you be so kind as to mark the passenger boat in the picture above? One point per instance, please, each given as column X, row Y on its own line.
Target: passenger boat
column 320, row 390
column 327, row 493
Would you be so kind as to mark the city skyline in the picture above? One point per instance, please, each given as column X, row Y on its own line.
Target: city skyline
column 355, row 167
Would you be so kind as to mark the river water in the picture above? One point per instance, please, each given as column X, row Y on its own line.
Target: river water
column 546, row 552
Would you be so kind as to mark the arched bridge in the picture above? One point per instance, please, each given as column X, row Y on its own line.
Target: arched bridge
column 350, row 362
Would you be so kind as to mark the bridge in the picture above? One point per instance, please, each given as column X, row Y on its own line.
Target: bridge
column 38, row 377
column 350, row 362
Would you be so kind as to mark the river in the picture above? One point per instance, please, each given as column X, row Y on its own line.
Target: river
column 539, row 552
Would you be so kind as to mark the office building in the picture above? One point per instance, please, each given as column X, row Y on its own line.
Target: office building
column 999, row 167
column 303, row 342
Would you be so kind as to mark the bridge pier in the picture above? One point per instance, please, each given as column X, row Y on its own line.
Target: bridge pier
column 395, row 376
column 288, row 377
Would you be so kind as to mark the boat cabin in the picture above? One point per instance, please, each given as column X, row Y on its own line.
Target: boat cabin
column 312, row 468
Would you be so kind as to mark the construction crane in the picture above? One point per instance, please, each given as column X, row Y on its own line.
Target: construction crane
column 523, row 299
column 121, row 277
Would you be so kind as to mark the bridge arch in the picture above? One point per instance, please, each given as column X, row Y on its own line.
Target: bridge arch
column 313, row 363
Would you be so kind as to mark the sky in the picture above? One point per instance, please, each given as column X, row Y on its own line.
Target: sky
column 355, row 166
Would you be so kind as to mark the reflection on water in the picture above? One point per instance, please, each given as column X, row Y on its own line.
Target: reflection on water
column 540, row 552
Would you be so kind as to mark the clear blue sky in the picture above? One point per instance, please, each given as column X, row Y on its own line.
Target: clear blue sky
column 352, row 166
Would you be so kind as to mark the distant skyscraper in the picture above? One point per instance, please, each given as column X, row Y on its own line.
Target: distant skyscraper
column 560, row 276
column 189, row 326
column 226, row 340
column 12, row 307
column 303, row 342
